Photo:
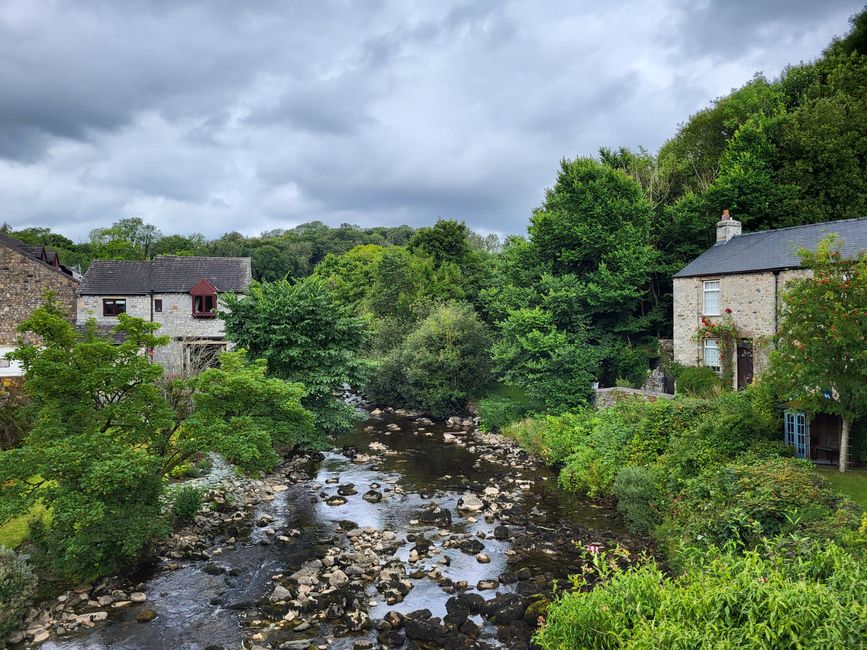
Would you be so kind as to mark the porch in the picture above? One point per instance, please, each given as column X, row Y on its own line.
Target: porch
column 816, row 438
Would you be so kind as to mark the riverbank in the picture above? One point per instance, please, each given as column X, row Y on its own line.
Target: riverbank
column 408, row 530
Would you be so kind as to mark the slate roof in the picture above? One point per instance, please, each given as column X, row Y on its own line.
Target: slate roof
column 166, row 274
column 36, row 253
column 775, row 249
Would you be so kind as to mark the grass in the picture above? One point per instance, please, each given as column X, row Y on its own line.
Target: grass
column 15, row 531
column 853, row 483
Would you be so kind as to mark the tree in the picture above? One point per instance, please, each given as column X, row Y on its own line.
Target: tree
column 130, row 238
column 106, row 434
column 307, row 336
column 242, row 413
column 820, row 360
column 555, row 368
column 446, row 241
column 439, row 366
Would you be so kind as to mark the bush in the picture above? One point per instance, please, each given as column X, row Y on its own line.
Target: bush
column 755, row 498
column 501, row 409
column 441, row 365
column 638, row 499
column 724, row 600
column 554, row 437
column 17, row 586
column 698, row 381
column 186, row 503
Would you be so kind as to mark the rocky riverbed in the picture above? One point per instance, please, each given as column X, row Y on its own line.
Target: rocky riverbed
column 409, row 533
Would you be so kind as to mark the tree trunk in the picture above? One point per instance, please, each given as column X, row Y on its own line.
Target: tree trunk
column 844, row 443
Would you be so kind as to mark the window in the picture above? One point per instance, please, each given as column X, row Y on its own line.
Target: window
column 711, row 354
column 204, row 305
column 158, row 305
column 113, row 306
column 711, row 298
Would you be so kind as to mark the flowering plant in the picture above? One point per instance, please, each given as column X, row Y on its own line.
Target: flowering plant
column 725, row 332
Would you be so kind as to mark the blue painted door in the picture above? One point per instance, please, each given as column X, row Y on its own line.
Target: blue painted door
column 797, row 432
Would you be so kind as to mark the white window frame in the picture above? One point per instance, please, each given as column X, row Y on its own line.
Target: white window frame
column 716, row 288
column 711, row 344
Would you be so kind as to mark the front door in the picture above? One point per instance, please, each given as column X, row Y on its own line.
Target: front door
column 745, row 363
column 797, row 433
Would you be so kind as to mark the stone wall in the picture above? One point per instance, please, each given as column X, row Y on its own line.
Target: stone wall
column 91, row 307
column 23, row 282
column 176, row 321
column 606, row 397
column 754, row 299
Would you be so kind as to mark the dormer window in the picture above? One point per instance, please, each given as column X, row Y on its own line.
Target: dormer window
column 204, row 296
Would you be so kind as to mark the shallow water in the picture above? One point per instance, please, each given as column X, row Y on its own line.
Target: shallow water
column 195, row 609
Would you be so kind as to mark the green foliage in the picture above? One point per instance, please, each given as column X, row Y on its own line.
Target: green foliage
column 17, row 587
column 639, row 498
column 15, row 416
column 307, row 336
column 108, row 428
column 446, row 241
column 757, row 599
column 243, row 414
column 553, row 367
column 503, row 407
column 820, row 360
column 440, row 365
column 186, row 503
column 698, row 381
column 753, row 499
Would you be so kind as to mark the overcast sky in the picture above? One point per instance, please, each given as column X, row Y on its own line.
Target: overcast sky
column 224, row 115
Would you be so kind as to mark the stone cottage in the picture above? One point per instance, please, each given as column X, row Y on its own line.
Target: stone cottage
column 182, row 294
column 742, row 277
column 27, row 272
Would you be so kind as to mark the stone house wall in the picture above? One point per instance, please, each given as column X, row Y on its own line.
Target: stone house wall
column 176, row 321
column 23, row 283
column 755, row 300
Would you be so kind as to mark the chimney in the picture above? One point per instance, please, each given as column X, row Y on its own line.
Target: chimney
column 726, row 228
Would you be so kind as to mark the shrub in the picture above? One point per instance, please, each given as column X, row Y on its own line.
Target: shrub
column 186, row 503
column 638, row 498
column 724, row 600
column 698, row 381
column 442, row 364
column 17, row 586
column 503, row 408
column 755, row 498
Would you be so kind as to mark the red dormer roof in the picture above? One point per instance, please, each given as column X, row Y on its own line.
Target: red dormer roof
column 203, row 288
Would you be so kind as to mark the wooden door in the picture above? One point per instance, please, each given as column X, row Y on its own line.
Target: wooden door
column 745, row 364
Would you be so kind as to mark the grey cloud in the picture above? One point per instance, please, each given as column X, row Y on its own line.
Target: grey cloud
column 216, row 115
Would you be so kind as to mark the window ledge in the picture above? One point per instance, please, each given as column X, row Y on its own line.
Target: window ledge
column 204, row 315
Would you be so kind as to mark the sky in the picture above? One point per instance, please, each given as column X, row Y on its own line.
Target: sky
column 221, row 115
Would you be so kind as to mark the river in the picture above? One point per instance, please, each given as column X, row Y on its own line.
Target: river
column 223, row 601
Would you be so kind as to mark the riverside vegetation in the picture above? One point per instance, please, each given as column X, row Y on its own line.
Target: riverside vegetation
column 746, row 547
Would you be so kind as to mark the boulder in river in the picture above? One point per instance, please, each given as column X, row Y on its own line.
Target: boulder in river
column 372, row 496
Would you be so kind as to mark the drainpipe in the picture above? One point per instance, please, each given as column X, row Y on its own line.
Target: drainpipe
column 776, row 300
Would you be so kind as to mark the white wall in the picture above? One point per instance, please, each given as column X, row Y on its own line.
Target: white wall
column 14, row 369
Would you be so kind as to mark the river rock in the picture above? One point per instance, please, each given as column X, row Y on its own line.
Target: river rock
column 501, row 532
column 482, row 558
column 146, row 616
column 280, row 593
column 338, row 578
column 505, row 608
column 470, row 503
column 436, row 516
column 372, row 496
column 347, row 490
column 471, row 546
column 138, row 597
column 335, row 501
column 484, row 585
column 421, row 626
